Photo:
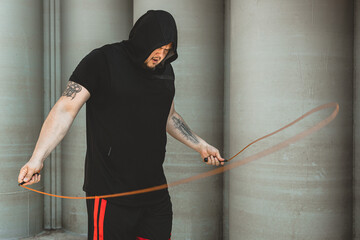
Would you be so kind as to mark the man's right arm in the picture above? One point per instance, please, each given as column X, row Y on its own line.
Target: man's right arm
column 55, row 127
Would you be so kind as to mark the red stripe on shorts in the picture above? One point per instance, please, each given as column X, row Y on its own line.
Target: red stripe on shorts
column 101, row 219
column 96, row 209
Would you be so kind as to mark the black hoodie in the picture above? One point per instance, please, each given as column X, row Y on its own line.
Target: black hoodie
column 127, row 112
column 151, row 31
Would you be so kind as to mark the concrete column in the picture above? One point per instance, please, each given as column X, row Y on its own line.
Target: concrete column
column 288, row 57
column 197, row 206
column 52, row 92
column 356, row 218
column 85, row 25
column 226, row 124
column 21, row 100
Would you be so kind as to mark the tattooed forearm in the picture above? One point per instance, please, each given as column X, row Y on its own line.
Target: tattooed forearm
column 72, row 89
column 184, row 129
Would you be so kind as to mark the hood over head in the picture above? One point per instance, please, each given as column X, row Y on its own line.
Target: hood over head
column 152, row 30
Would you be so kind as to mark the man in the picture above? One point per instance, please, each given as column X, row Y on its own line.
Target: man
column 128, row 88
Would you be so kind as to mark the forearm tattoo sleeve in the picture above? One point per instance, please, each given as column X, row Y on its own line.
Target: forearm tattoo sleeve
column 180, row 125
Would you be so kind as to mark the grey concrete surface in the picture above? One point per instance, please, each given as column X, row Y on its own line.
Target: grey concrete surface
column 57, row 235
column 85, row 25
column 356, row 188
column 288, row 57
column 226, row 127
column 51, row 172
column 21, row 104
column 199, row 77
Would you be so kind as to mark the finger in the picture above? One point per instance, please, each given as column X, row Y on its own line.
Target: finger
column 36, row 177
column 217, row 161
column 218, row 156
column 22, row 174
column 213, row 160
column 31, row 181
column 29, row 175
column 220, row 162
column 208, row 160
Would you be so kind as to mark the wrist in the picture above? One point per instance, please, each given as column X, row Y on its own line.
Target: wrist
column 36, row 157
column 202, row 146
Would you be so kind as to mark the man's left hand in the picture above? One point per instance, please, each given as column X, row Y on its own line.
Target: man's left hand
column 213, row 155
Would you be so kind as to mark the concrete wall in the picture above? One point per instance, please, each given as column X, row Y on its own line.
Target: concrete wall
column 282, row 58
column 288, row 57
column 21, row 104
column 227, row 132
column 85, row 25
column 52, row 91
column 197, row 206
column 356, row 214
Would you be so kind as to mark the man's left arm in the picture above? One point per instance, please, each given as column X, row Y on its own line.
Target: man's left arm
column 178, row 129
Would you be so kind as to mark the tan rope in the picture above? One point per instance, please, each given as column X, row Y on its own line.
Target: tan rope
column 229, row 166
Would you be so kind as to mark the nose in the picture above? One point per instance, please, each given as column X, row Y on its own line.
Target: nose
column 162, row 53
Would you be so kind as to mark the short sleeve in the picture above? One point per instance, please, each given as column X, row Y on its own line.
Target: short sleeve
column 90, row 71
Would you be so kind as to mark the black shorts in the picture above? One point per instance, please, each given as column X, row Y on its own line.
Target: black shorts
column 109, row 221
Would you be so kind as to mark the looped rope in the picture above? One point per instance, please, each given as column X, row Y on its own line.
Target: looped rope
column 229, row 166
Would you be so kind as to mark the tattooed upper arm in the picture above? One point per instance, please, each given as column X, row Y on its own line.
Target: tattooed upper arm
column 74, row 97
column 72, row 89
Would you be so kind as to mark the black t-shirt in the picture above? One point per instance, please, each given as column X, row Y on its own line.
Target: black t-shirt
column 126, row 118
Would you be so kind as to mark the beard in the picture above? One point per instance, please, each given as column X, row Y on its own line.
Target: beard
column 145, row 66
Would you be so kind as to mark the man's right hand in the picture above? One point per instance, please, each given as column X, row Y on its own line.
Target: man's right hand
column 28, row 170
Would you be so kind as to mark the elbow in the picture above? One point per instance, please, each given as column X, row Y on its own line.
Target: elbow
column 168, row 126
column 64, row 111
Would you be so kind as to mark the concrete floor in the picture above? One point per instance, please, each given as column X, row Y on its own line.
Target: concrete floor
column 57, row 235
